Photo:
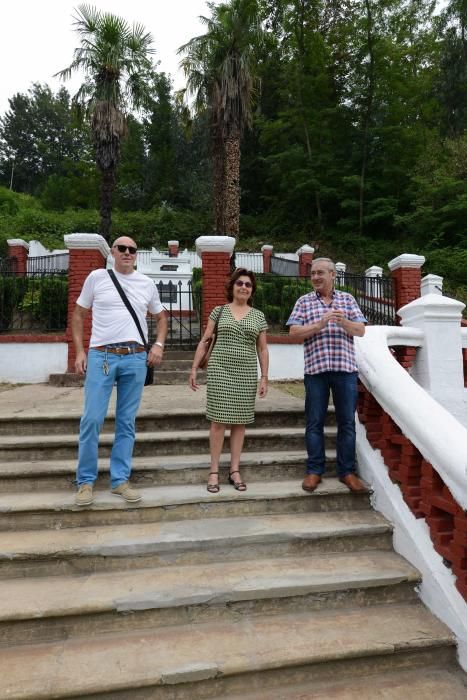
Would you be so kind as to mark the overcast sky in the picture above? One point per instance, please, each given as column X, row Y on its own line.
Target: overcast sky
column 37, row 37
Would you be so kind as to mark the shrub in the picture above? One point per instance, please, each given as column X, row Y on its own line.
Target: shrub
column 12, row 292
column 42, row 302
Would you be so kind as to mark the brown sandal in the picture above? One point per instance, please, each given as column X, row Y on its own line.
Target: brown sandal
column 214, row 488
column 239, row 485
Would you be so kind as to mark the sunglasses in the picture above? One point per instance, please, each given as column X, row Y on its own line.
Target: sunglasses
column 123, row 248
column 241, row 283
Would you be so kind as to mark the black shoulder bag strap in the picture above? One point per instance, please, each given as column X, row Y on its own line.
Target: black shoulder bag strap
column 129, row 307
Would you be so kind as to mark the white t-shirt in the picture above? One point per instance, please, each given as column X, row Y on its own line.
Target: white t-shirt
column 111, row 320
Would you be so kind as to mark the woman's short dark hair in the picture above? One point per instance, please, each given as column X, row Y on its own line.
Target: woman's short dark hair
column 240, row 272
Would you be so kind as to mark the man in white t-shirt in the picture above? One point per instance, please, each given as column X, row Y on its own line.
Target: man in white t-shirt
column 117, row 356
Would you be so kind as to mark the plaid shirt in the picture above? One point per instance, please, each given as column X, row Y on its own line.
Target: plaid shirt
column 332, row 349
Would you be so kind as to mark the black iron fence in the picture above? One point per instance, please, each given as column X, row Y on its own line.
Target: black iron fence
column 48, row 263
column 284, row 267
column 8, row 266
column 35, row 302
column 183, row 307
column 374, row 295
column 276, row 295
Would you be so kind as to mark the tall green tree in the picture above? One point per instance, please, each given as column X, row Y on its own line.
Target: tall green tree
column 221, row 71
column 115, row 59
column 38, row 137
column 452, row 82
column 160, row 128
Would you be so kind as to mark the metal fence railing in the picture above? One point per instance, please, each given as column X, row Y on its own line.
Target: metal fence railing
column 183, row 307
column 276, row 296
column 35, row 302
column 374, row 295
column 284, row 267
column 251, row 261
column 57, row 262
column 8, row 266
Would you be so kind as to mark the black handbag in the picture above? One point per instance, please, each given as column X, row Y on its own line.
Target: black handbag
column 150, row 370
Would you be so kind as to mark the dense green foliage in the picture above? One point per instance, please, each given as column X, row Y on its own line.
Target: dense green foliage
column 37, row 302
column 358, row 144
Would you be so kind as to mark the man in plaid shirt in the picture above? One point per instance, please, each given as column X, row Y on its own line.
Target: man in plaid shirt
column 327, row 321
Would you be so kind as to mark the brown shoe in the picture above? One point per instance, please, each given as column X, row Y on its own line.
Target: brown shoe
column 354, row 484
column 310, row 482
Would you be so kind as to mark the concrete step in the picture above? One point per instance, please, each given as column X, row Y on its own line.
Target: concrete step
column 186, row 442
column 56, row 509
column 83, row 550
column 438, row 683
column 176, row 376
column 210, row 659
column 163, row 375
column 154, row 420
column 26, row 476
column 158, row 471
column 47, row 609
column 182, row 364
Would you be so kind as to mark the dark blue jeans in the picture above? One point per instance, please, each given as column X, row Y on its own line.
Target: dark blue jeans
column 344, row 392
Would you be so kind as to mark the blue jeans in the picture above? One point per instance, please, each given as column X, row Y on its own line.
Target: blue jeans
column 128, row 372
column 344, row 392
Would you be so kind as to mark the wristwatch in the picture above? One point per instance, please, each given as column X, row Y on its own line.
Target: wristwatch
column 161, row 345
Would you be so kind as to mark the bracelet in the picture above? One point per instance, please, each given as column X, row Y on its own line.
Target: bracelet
column 161, row 345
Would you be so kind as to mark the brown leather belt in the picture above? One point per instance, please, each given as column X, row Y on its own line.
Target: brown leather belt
column 122, row 350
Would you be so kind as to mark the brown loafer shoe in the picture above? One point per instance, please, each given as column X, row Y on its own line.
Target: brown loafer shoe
column 310, row 482
column 354, row 484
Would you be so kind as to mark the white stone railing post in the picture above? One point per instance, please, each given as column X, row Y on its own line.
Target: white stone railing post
column 438, row 364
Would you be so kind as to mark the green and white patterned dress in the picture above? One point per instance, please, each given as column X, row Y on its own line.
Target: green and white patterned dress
column 232, row 380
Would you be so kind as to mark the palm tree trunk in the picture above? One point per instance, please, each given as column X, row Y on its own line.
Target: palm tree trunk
column 218, row 165
column 232, row 186
column 107, row 189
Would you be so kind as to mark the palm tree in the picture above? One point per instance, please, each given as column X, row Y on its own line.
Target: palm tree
column 116, row 64
column 221, row 71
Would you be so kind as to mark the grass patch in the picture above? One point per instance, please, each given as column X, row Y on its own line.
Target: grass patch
column 7, row 387
column 296, row 389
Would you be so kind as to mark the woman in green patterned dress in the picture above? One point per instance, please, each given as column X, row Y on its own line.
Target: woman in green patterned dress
column 232, row 377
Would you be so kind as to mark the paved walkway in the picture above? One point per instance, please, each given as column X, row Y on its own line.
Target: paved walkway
column 43, row 399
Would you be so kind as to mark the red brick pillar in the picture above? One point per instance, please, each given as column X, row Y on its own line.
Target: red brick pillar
column 305, row 258
column 267, row 255
column 18, row 251
column 407, row 276
column 173, row 249
column 88, row 251
column 215, row 253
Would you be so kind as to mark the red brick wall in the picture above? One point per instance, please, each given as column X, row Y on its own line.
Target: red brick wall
column 267, row 255
column 304, row 264
column 422, row 487
column 216, row 270
column 406, row 285
column 20, row 254
column 82, row 262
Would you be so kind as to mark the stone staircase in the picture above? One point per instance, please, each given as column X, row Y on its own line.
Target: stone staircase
column 270, row 594
column 175, row 369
